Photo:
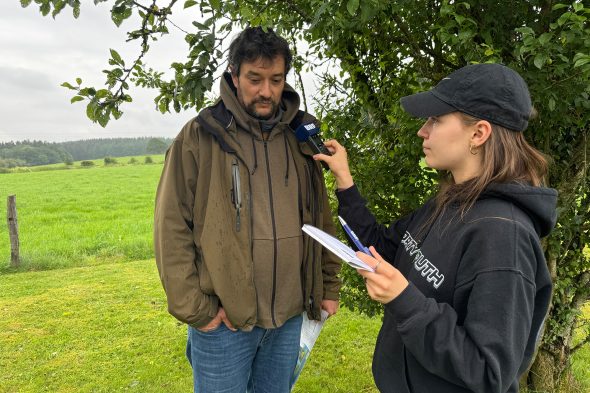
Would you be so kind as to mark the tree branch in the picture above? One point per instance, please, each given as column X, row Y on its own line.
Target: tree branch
column 418, row 51
column 291, row 4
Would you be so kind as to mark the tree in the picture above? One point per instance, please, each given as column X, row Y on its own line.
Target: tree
column 156, row 146
column 385, row 50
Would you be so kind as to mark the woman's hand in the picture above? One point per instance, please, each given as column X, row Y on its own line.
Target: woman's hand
column 386, row 282
column 338, row 163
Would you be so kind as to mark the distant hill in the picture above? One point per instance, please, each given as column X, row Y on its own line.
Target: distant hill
column 31, row 153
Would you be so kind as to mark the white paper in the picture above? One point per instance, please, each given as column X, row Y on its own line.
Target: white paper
column 310, row 330
column 341, row 250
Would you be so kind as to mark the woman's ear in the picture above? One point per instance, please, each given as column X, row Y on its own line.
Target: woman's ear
column 481, row 132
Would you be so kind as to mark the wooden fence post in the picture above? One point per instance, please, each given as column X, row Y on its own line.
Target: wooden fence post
column 13, row 231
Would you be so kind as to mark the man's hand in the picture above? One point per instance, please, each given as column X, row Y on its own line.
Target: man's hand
column 331, row 306
column 215, row 322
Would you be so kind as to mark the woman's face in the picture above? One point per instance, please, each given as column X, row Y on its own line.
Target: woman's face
column 446, row 144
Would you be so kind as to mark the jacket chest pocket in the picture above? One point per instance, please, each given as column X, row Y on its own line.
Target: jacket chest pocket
column 236, row 191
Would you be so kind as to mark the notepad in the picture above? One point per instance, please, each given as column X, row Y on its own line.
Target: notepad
column 340, row 249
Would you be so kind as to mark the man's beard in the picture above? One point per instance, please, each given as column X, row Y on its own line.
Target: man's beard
column 251, row 109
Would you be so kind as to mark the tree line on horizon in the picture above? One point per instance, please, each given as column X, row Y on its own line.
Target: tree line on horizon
column 33, row 153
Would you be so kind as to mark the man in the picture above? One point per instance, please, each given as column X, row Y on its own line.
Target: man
column 235, row 190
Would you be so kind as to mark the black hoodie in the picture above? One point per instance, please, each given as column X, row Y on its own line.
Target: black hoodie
column 478, row 294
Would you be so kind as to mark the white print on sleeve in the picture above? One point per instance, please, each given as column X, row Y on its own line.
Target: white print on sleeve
column 423, row 265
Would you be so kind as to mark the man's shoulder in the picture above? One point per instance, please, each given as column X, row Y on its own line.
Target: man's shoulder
column 217, row 112
column 302, row 117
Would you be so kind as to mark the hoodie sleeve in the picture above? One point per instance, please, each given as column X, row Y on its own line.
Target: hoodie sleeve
column 485, row 351
column 173, row 235
column 352, row 207
column 330, row 263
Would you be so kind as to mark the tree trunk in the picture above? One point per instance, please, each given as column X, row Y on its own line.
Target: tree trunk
column 541, row 375
column 13, row 231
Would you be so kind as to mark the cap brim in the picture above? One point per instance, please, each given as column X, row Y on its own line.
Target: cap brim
column 425, row 104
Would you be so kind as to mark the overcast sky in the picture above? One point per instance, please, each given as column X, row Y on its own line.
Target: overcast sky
column 38, row 54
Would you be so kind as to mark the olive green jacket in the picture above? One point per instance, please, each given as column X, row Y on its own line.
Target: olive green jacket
column 203, row 219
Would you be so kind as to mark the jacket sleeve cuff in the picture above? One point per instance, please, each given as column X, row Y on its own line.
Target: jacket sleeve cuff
column 331, row 295
column 213, row 305
column 407, row 305
column 349, row 195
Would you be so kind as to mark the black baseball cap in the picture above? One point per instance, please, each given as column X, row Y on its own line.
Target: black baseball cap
column 491, row 92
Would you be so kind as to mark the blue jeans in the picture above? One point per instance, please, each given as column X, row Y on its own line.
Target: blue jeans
column 260, row 361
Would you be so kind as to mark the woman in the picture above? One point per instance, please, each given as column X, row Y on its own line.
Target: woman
column 467, row 289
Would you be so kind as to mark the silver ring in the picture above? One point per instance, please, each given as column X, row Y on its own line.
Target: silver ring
column 376, row 266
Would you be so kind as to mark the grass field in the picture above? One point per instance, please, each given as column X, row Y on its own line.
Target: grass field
column 105, row 328
column 82, row 216
column 86, row 311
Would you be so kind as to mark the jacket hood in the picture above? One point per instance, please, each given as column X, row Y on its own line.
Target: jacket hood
column 538, row 202
column 289, row 103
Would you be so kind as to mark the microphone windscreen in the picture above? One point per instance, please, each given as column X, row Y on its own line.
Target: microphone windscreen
column 304, row 131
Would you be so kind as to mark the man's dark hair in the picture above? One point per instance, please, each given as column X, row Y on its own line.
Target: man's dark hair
column 254, row 43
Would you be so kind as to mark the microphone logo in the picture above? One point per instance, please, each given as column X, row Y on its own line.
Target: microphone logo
column 310, row 134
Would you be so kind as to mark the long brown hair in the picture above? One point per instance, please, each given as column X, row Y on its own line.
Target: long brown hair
column 507, row 157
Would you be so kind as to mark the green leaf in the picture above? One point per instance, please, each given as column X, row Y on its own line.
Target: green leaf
column 76, row 99
column 78, row 81
column 216, row 4
column 581, row 61
column 25, row 3
column 545, row 38
column 120, row 13
column 57, row 7
column 102, row 93
column 551, row 104
column 189, row 3
column 44, row 8
column 199, row 26
column 117, row 113
column 66, row 84
column 116, row 57
column 559, row 6
column 91, row 110
column 564, row 18
column 352, row 6
column 103, row 119
column 540, row 60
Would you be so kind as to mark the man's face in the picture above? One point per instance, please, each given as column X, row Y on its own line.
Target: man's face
column 260, row 86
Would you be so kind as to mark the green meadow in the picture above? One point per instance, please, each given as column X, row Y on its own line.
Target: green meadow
column 81, row 216
column 86, row 312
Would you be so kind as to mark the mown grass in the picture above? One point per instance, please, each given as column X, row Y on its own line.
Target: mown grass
column 105, row 328
column 581, row 359
column 80, row 217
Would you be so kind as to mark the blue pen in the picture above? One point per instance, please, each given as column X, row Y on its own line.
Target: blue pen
column 354, row 238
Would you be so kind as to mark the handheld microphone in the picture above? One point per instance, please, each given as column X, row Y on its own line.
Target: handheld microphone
column 310, row 134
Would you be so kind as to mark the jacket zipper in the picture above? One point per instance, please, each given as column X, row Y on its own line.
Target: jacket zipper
column 274, row 236
column 237, row 161
column 311, row 202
